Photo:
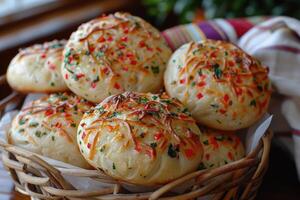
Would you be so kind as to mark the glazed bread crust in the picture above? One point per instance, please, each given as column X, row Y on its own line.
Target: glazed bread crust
column 141, row 138
column 114, row 54
column 223, row 87
column 48, row 127
column 38, row 68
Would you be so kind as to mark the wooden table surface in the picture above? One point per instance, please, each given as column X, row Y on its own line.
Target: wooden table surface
column 280, row 182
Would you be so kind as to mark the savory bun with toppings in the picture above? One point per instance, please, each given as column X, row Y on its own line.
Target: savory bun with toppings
column 223, row 87
column 38, row 68
column 114, row 54
column 220, row 148
column 141, row 138
column 48, row 127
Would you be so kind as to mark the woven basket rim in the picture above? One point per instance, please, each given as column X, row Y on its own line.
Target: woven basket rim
column 33, row 175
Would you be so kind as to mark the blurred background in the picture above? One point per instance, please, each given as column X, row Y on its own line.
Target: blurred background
column 26, row 22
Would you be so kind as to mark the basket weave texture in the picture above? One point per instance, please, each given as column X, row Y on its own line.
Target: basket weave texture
column 34, row 176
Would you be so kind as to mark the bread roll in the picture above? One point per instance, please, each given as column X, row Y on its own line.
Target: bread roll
column 48, row 126
column 38, row 68
column 113, row 54
column 223, row 87
column 220, row 148
column 141, row 138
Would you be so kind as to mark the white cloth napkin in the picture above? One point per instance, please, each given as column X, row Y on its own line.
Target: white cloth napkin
column 276, row 43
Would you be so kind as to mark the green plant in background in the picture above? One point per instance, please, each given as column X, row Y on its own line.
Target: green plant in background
column 186, row 9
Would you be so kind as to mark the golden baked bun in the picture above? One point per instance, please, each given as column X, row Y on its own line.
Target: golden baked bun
column 114, row 54
column 220, row 148
column 38, row 68
column 223, row 87
column 48, row 126
column 141, row 138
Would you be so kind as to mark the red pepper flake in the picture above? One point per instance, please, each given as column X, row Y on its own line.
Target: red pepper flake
column 105, row 70
column 43, row 55
column 213, row 142
column 125, row 69
column 83, row 124
column 149, row 49
column 249, row 93
column 52, row 67
column 133, row 62
column 142, row 44
column 49, row 112
column 67, row 76
column 138, row 147
column 93, row 84
column 92, row 49
column 129, row 55
column 158, row 49
column 230, row 156
column 58, row 125
column 238, row 91
column 226, row 98
column 124, row 39
column 189, row 153
column 222, row 111
column 110, row 38
column 182, row 81
column 207, row 156
column 121, row 47
column 101, row 39
column 68, row 115
column 80, row 75
column 230, row 63
column 89, row 145
column 151, row 152
column 126, row 30
column 117, row 86
column 202, row 83
column 213, row 54
column 157, row 136
column 199, row 95
column 83, row 135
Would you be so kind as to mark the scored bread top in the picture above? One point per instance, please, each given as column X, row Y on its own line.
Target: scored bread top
column 141, row 138
column 113, row 54
column 223, row 87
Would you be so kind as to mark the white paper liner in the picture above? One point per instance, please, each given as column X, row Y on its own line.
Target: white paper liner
column 251, row 140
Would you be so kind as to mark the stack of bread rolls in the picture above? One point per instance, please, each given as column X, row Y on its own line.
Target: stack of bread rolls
column 119, row 101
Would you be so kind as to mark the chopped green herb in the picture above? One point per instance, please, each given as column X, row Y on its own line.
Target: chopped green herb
column 52, row 84
column 253, row 103
column 201, row 166
column 200, row 72
column 173, row 150
column 38, row 133
column 153, row 145
column 102, row 148
column 220, row 137
column 33, row 124
column 193, row 83
column 142, row 135
column 22, row 121
column 114, row 166
column 155, row 70
column 205, row 142
column 73, row 124
column 53, row 138
column 96, row 79
column 217, row 70
column 22, row 130
column 143, row 100
column 154, row 97
column 214, row 106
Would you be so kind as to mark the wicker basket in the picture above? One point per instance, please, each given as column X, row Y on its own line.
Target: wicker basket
column 32, row 175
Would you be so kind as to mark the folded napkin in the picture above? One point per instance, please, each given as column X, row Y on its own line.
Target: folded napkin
column 276, row 43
